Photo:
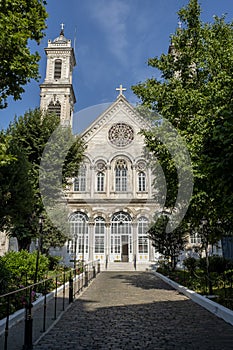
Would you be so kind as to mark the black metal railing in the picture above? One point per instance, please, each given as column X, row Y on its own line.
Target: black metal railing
column 41, row 308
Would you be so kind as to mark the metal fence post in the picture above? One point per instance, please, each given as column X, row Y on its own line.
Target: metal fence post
column 71, row 296
column 28, row 323
column 86, row 278
column 64, row 291
column 94, row 272
column 7, row 322
column 45, row 307
column 55, row 301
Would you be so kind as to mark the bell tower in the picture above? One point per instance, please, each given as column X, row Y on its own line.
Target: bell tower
column 56, row 92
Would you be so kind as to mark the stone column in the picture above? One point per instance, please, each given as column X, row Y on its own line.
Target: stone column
column 149, row 183
column 92, row 181
column 108, row 240
column 151, row 251
column 134, row 181
column 108, row 176
column 91, row 240
column 135, row 241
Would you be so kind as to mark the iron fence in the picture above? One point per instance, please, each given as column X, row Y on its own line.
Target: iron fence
column 39, row 305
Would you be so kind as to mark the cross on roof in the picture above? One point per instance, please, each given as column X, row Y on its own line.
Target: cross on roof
column 121, row 89
column 62, row 29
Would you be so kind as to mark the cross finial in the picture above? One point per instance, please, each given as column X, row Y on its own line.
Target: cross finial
column 62, row 28
column 120, row 89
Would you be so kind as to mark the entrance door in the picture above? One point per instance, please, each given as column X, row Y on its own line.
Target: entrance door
column 124, row 248
column 121, row 238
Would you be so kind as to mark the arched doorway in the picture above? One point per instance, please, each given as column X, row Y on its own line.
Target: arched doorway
column 121, row 237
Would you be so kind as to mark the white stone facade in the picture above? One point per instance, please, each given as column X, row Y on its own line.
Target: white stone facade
column 112, row 199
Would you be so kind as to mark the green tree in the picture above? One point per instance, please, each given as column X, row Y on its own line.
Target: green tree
column 169, row 244
column 5, row 157
column 21, row 21
column 16, row 190
column 29, row 136
column 194, row 93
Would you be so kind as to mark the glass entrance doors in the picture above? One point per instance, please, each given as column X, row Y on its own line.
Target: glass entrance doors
column 124, row 248
column 121, row 237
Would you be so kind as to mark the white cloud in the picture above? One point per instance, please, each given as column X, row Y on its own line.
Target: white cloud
column 111, row 16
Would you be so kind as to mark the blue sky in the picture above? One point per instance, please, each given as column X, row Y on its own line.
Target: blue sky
column 113, row 40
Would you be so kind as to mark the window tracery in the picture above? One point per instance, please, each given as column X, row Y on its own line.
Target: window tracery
column 121, row 172
column 121, row 134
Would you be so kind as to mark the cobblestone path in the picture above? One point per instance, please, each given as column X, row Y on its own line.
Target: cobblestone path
column 136, row 310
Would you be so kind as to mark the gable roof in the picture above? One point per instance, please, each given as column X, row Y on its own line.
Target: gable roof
column 121, row 104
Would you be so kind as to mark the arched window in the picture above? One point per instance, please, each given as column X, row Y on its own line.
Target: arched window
column 121, row 233
column 79, row 232
column 55, row 108
column 80, row 180
column 99, row 235
column 57, row 69
column 121, row 176
column 142, row 235
column 100, row 182
column 141, row 181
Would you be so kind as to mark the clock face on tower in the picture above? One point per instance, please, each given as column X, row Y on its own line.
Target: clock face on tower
column 120, row 134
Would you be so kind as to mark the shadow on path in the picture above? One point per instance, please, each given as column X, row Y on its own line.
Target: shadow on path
column 144, row 280
column 129, row 311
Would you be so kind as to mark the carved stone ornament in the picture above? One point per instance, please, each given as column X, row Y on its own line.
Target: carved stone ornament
column 100, row 166
column 121, row 134
column 141, row 165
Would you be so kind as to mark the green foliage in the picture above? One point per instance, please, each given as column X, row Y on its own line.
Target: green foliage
column 54, row 262
column 217, row 264
column 20, row 191
column 21, row 21
column 21, row 203
column 5, row 157
column 16, row 191
column 169, row 244
column 195, row 277
column 22, row 266
column 194, row 93
column 5, row 276
column 190, row 264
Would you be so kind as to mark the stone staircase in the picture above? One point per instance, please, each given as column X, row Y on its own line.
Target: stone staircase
column 127, row 266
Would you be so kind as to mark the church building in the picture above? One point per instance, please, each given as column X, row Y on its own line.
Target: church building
column 111, row 201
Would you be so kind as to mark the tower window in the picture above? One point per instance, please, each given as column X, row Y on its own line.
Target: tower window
column 57, row 69
column 55, row 108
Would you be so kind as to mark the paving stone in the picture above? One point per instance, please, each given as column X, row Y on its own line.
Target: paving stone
column 136, row 311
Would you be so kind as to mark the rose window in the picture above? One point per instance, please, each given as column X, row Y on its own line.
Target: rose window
column 121, row 134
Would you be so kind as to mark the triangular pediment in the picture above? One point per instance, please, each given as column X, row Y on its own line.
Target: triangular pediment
column 120, row 111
